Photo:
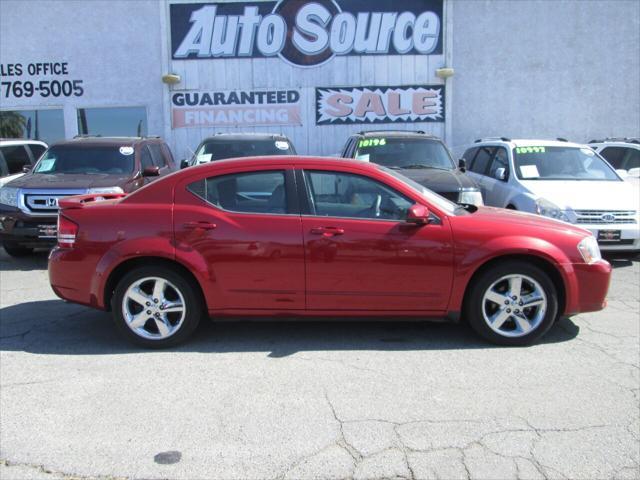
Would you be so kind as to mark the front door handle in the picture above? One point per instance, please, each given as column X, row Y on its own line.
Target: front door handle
column 327, row 231
column 201, row 225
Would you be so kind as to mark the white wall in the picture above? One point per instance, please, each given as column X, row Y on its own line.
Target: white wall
column 546, row 69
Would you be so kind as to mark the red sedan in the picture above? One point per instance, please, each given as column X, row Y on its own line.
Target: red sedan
column 317, row 237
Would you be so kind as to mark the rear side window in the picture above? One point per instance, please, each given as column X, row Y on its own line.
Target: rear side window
column 621, row 157
column 481, row 161
column 469, row 154
column 251, row 192
column 16, row 157
column 37, row 150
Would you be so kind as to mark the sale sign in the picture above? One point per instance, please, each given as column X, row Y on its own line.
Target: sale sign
column 339, row 105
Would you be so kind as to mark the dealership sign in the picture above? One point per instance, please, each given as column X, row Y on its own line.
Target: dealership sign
column 235, row 108
column 305, row 33
column 338, row 105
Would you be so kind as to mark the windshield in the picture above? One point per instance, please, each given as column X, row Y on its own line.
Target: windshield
column 561, row 163
column 442, row 203
column 221, row 149
column 111, row 160
column 405, row 153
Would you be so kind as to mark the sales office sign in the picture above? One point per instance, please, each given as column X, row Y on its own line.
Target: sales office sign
column 305, row 33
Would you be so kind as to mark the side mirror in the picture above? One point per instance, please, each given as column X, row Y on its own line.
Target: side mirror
column 462, row 165
column 153, row 171
column 500, row 174
column 27, row 168
column 184, row 163
column 623, row 173
column 418, row 215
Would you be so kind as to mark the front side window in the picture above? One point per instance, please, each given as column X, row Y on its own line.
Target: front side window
column 561, row 163
column 500, row 160
column 45, row 125
column 16, row 157
column 404, row 153
column 250, row 192
column 481, row 161
column 621, row 157
column 346, row 195
column 110, row 160
column 113, row 122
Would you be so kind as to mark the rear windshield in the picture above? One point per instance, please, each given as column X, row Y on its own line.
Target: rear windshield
column 221, row 149
column 112, row 160
column 561, row 163
column 404, row 153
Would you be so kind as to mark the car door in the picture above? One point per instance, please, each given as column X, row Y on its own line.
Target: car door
column 244, row 230
column 360, row 253
column 478, row 170
column 496, row 189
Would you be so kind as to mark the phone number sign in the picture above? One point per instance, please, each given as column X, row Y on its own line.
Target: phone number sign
column 14, row 85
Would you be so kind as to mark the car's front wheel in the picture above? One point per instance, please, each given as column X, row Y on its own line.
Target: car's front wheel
column 156, row 307
column 514, row 303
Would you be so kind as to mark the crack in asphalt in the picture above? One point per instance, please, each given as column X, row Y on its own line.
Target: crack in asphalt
column 65, row 476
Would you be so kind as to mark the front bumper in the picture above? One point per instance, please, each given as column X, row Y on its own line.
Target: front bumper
column 590, row 285
column 627, row 240
column 25, row 230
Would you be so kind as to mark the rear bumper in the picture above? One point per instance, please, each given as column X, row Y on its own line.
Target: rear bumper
column 25, row 230
column 591, row 285
column 70, row 276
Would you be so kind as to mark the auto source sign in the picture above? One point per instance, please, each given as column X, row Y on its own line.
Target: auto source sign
column 416, row 103
column 306, row 33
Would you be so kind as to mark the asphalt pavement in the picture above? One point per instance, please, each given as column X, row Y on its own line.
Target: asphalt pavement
column 280, row 400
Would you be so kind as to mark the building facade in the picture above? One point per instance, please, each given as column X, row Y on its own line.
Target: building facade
column 320, row 70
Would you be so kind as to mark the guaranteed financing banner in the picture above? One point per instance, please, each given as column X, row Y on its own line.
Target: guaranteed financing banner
column 235, row 108
column 414, row 103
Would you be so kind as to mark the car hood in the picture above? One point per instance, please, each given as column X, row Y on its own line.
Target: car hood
column 70, row 181
column 586, row 194
column 440, row 180
column 10, row 178
column 526, row 220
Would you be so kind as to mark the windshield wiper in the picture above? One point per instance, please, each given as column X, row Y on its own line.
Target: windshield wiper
column 421, row 165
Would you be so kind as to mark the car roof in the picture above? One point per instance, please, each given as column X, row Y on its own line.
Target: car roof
column 290, row 160
column 396, row 133
column 525, row 142
column 20, row 141
column 80, row 141
column 245, row 136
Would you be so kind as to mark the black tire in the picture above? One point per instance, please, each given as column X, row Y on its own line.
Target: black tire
column 16, row 250
column 473, row 309
column 193, row 305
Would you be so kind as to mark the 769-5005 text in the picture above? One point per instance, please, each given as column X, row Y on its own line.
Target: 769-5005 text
column 44, row 88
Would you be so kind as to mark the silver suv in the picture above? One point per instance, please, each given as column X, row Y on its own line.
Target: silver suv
column 558, row 179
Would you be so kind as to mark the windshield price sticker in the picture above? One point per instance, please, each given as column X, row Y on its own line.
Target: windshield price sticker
column 372, row 142
column 126, row 150
column 280, row 145
column 530, row 150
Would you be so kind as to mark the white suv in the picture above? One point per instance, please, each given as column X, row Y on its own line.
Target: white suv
column 623, row 154
column 558, row 179
column 17, row 153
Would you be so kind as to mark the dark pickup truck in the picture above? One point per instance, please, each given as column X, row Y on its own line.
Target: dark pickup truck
column 29, row 204
column 419, row 156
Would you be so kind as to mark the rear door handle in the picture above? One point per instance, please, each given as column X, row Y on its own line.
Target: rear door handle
column 327, row 231
column 201, row 225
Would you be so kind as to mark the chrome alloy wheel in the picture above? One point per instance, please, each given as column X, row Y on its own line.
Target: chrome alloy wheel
column 514, row 305
column 153, row 308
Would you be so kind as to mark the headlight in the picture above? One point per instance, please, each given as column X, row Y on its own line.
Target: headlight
column 471, row 197
column 548, row 209
column 106, row 190
column 9, row 196
column 589, row 249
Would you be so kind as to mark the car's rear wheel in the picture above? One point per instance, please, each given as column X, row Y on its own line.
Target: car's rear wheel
column 16, row 250
column 156, row 307
column 512, row 304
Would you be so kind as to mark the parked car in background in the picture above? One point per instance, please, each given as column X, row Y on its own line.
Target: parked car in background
column 623, row 154
column 558, row 179
column 29, row 204
column 233, row 145
column 321, row 237
column 421, row 157
column 16, row 154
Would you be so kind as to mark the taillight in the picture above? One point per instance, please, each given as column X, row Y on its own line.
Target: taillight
column 67, row 231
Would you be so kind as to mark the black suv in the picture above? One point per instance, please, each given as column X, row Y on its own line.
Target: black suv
column 29, row 204
column 421, row 157
column 233, row 145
